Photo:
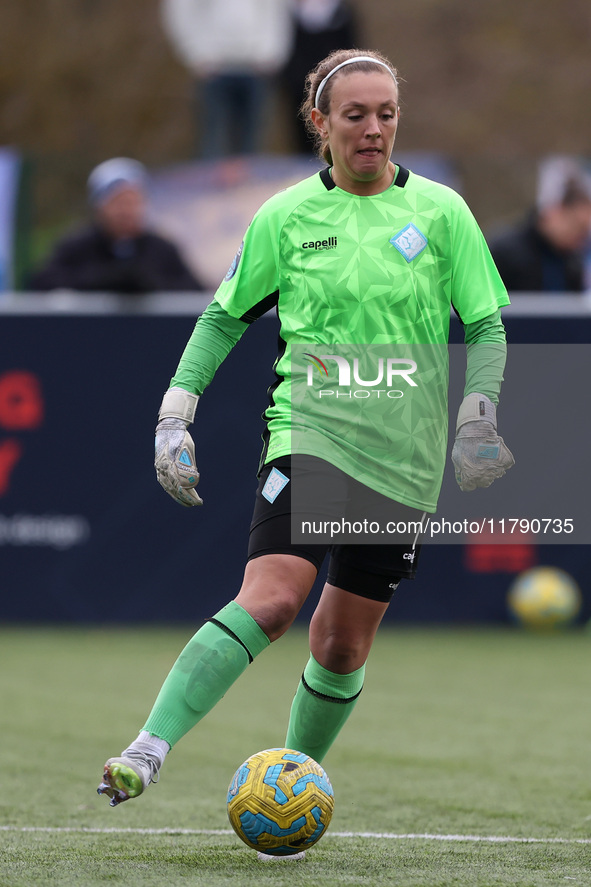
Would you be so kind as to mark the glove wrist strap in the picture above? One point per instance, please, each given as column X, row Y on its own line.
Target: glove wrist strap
column 178, row 404
column 476, row 408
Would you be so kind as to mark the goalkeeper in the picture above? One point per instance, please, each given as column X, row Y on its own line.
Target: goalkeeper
column 363, row 252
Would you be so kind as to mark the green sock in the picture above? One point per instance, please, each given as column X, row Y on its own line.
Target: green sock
column 322, row 704
column 208, row 666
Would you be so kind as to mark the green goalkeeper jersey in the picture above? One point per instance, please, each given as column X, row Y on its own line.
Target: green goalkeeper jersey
column 363, row 287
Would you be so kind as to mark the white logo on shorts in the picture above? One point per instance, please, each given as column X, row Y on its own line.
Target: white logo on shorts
column 409, row 242
column 409, row 556
column 274, row 484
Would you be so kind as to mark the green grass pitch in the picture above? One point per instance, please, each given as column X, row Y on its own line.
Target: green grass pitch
column 467, row 762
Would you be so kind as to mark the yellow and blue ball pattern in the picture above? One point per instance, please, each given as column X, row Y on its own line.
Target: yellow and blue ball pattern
column 544, row 598
column 280, row 801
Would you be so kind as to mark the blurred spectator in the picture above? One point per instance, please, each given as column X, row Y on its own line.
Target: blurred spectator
column 233, row 48
column 116, row 252
column 319, row 27
column 546, row 252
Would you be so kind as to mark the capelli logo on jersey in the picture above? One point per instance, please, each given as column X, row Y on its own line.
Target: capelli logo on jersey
column 389, row 371
column 330, row 243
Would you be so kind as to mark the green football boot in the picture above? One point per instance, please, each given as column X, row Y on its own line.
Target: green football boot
column 128, row 776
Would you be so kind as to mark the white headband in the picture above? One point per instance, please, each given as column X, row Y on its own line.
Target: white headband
column 356, row 58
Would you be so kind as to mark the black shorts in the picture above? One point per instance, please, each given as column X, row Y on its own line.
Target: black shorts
column 370, row 570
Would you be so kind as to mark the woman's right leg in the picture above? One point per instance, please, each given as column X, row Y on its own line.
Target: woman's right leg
column 272, row 593
column 273, row 590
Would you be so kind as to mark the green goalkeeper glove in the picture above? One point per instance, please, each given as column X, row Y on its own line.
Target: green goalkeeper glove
column 479, row 454
column 175, row 451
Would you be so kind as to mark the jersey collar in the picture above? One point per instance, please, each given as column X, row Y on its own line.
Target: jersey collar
column 400, row 180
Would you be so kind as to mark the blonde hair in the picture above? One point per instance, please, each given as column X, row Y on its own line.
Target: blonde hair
column 319, row 82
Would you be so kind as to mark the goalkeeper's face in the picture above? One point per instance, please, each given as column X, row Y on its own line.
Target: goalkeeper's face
column 123, row 214
column 360, row 129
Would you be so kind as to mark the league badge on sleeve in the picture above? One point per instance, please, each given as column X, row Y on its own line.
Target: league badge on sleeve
column 235, row 262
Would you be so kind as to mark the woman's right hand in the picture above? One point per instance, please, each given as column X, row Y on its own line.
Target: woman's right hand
column 175, row 462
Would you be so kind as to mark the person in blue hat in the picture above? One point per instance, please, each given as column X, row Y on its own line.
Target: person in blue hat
column 116, row 252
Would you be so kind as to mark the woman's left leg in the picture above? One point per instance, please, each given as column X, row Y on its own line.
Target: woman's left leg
column 342, row 631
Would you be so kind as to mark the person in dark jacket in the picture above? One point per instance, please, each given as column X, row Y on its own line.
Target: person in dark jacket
column 319, row 27
column 546, row 252
column 116, row 252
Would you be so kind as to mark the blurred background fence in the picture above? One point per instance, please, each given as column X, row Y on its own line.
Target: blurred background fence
column 86, row 533
column 488, row 90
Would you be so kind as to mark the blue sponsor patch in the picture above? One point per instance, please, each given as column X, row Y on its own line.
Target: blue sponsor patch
column 184, row 458
column 488, row 451
column 409, row 242
column 274, row 484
